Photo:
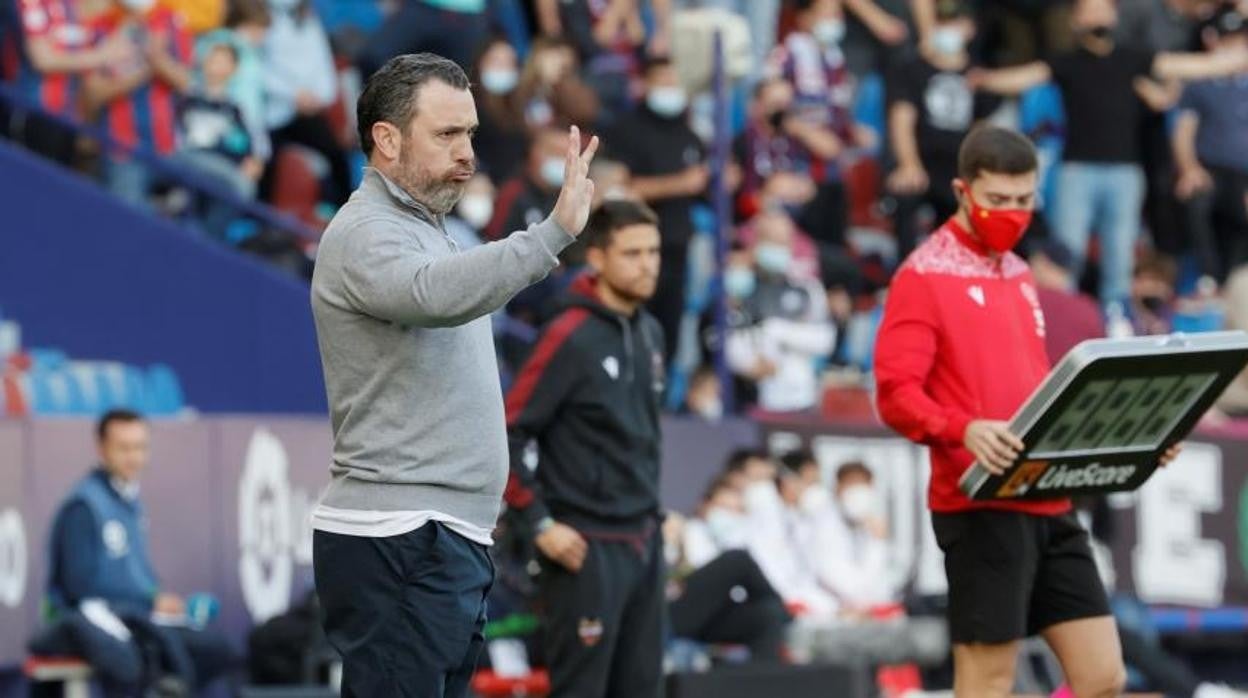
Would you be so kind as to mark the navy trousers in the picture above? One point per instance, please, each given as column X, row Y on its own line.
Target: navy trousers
column 405, row 612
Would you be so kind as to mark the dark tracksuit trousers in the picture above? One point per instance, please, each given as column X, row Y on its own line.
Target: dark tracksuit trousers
column 589, row 397
column 604, row 624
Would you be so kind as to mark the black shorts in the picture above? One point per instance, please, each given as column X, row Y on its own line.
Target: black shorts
column 1012, row 574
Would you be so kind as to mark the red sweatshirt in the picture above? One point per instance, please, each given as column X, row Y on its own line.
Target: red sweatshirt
column 962, row 339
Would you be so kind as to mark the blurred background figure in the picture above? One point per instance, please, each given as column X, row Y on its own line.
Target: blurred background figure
column 105, row 598
column 782, row 330
column 300, row 85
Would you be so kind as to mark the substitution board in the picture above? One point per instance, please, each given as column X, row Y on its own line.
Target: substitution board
column 1103, row 417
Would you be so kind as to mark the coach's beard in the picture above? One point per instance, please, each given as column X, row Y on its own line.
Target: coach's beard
column 439, row 194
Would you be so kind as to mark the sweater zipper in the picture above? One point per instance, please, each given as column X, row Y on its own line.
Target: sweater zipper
column 440, row 224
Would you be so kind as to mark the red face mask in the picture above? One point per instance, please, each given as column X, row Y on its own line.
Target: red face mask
column 999, row 229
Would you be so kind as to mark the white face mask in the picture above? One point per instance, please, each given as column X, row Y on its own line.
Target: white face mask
column 499, row 82
column 829, row 32
column 138, row 5
column 814, row 500
column 727, row 527
column 475, row 209
column 617, row 193
column 711, row 411
column 859, row 502
column 667, row 101
column 948, row 40
column 552, row 172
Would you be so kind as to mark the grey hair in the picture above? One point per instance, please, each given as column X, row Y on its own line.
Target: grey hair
column 390, row 93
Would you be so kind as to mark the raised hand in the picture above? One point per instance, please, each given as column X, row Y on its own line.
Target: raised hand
column 572, row 208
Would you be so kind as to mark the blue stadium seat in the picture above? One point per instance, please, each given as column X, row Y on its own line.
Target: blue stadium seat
column 51, row 392
column 869, row 109
column 88, row 390
column 76, row 399
column 164, row 391
column 46, row 358
column 135, row 391
column 109, row 384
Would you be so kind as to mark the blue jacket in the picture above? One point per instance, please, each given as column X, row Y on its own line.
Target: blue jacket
column 98, row 549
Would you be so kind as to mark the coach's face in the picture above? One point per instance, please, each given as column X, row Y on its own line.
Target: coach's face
column 435, row 159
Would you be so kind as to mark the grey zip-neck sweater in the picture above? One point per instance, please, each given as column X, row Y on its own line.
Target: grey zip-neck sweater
column 408, row 354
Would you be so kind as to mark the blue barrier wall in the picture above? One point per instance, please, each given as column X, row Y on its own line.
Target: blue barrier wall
column 83, row 273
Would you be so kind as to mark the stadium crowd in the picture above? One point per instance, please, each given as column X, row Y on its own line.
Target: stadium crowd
column 843, row 128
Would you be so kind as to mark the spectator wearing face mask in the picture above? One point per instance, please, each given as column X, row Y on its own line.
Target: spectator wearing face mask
column 818, row 118
column 502, row 137
column 852, row 543
column 720, row 524
column 668, row 165
column 610, row 38
column 931, row 109
column 721, row 596
column 1105, row 87
column 781, row 160
column 301, row 82
column 1211, row 149
column 1070, row 316
column 806, row 252
column 739, row 281
column 780, row 328
column 778, row 530
column 848, row 543
column 526, row 197
column 705, row 399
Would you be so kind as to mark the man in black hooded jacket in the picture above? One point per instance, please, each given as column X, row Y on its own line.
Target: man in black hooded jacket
column 589, row 397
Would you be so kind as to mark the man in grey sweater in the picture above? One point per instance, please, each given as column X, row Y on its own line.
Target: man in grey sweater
column 420, row 446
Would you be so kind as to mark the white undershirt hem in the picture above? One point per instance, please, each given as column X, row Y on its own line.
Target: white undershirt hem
column 383, row 524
